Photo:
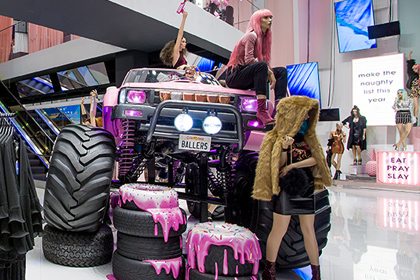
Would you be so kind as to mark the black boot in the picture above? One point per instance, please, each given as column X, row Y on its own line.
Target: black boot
column 336, row 175
column 269, row 272
column 316, row 272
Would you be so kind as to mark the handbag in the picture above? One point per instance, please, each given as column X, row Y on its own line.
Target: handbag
column 297, row 193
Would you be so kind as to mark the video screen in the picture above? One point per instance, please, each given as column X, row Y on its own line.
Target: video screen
column 303, row 79
column 353, row 18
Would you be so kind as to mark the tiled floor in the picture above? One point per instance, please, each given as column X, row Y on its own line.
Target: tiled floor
column 375, row 234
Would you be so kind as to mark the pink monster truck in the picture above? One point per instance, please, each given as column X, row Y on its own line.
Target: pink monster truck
column 184, row 132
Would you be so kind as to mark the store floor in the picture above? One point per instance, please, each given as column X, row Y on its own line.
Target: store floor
column 375, row 234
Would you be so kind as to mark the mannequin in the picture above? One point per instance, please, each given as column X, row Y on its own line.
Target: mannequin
column 337, row 148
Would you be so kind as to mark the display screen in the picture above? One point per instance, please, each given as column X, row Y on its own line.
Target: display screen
column 353, row 18
column 303, row 79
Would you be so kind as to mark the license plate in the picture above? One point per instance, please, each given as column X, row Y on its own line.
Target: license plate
column 194, row 143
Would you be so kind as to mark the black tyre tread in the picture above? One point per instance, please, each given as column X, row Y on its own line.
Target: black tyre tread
column 216, row 255
column 258, row 215
column 196, row 275
column 191, row 187
column 292, row 252
column 77, row 186
column 241, row 204
column 128, row 269
column 144, row 248
column 141, row 223
column 78, row 249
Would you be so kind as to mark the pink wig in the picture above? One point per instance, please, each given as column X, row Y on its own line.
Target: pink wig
column 263, row 47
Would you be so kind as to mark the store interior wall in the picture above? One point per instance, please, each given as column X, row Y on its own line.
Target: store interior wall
column 409, row 12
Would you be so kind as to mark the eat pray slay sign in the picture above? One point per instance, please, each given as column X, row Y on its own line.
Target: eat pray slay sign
column 398, row 167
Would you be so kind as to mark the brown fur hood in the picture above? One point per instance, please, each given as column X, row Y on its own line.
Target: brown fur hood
column 291, row 113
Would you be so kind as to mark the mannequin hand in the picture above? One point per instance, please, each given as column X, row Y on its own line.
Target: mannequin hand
column 410, row 55
column 82, row 101
column 364, row 137
column 287, row 142
column 94, row 93
column 272, row 79
column 286, row 169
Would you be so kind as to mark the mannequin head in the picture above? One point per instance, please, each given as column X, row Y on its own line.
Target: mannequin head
column 339, row 126
column 402, row 94
column 183, row 45
column 263, row 45
column 355, row 112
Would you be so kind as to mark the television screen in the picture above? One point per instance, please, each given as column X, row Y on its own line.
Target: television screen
column 303, row 79
column 353, row 18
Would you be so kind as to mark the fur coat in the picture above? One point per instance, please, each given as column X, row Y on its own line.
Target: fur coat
column 291, row 112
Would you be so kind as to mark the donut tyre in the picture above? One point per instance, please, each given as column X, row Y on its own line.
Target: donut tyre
column 145, row 248
column 196, row 275
column 138, row 197
column 128, row 269
column 79, row 178
column 78, row 249
column 141, row 223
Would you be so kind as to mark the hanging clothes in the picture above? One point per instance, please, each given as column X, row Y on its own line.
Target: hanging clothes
column 20, row 210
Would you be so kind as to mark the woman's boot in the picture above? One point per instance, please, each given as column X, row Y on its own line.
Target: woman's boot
column 269, row 272
column 336, row 175
column 316, row 272
column 262, row 113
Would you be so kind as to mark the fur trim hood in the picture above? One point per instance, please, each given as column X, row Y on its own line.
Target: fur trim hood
column 291, row 112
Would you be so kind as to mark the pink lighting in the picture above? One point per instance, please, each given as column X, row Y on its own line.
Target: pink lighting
column 398, row 214
column 133, row 113
column 255, row 123
column 136, row 96
column 398, row 168
column 249, row 104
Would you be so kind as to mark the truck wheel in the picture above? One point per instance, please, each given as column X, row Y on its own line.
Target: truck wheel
column 240, row 203
column 191, row 187
column 292, row 252
column 79, row 178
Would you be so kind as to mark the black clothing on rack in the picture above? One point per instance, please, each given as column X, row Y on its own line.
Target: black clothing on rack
column 20, row 210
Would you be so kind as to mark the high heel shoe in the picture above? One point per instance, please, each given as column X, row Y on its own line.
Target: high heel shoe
column 395, row 147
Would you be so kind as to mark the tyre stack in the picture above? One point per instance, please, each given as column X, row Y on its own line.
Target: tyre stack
column 150, row 225
column 222, row 251
column 76, row 198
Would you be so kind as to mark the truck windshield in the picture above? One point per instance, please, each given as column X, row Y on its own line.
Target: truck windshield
column 164, row 75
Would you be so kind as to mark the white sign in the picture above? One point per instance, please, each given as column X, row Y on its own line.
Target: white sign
column 376, row 81
column 194, row 142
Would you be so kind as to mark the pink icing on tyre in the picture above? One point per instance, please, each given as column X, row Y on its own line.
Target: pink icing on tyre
column 371, row 168
column 161, row 202
column 170, row 266
column 146, row 196
column 243, row 242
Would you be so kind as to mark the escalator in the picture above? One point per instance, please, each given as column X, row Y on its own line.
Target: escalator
column 47, row 125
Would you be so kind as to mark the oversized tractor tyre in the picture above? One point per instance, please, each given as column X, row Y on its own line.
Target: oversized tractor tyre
column 79, row 178
column 240, row 203
column 78, row 249
column 258, row 216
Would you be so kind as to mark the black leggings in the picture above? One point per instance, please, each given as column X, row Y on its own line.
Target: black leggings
column 255, row 76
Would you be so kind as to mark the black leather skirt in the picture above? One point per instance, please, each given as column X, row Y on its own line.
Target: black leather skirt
column 285, row 204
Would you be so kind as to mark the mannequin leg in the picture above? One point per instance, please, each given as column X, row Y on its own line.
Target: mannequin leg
column 353, row 149
column 359, row 154
column 339, row 156
column 311, row 244
column 400, row 129
column 279, row 229
column 406, row 131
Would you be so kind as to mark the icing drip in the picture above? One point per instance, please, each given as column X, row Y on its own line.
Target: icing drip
column 111, row 277
column 225, row 263
column 149, row 196
column 216, row 271
column 243, row 242
column 169, row 218
column 160, row 202
column 170, row 265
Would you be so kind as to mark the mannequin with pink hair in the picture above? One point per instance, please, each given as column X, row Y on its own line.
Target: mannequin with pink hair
column 249, row 64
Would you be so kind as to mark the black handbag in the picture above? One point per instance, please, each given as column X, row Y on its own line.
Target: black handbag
column 297, row 192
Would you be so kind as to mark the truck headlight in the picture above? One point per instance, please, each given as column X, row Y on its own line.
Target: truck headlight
column 212, row 125
column 183, row 122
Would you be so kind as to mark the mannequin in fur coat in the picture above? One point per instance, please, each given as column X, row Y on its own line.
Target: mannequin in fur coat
column 292, row 113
